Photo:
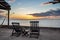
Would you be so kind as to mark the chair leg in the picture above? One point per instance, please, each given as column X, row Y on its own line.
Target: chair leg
column 12, row 34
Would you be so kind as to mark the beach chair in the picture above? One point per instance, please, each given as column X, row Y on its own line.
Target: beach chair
column 17, row 30
column 34, row 29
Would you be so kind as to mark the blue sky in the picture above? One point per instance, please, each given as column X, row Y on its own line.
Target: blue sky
column 31, row 6
column 23, row 7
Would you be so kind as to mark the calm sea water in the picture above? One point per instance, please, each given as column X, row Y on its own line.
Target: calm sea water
column 42, row 23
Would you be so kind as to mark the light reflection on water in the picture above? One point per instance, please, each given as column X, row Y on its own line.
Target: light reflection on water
column 43, row 23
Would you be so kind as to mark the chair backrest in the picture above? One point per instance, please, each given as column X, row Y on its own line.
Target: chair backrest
column 34, row 25
column 15, row 25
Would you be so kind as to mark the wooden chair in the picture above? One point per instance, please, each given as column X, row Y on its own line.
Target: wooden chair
column 34, row 29
column 17, row 30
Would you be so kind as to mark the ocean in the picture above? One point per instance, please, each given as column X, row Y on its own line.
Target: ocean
column 42, row 22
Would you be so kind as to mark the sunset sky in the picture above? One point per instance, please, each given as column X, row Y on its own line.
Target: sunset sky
column 22, row 8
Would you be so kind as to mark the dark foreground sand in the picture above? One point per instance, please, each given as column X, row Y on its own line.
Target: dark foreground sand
column 45, row 34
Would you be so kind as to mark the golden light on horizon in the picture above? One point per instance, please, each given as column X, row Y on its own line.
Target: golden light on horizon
column 25, row 17
column 17, row 16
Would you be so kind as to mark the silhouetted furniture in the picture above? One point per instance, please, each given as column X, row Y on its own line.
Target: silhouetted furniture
column 25, row 32
column 34, row 29
column 17, row 30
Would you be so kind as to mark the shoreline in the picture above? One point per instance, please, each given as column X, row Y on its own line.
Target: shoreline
column 10, row 27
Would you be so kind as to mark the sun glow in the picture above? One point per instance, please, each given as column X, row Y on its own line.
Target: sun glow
column 16, row 16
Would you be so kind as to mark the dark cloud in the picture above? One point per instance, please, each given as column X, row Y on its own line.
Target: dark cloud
column 48, row 13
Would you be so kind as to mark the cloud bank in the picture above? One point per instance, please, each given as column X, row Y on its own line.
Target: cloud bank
column 48, row 13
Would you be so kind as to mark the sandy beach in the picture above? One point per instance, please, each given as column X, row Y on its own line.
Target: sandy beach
column 45, row 34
